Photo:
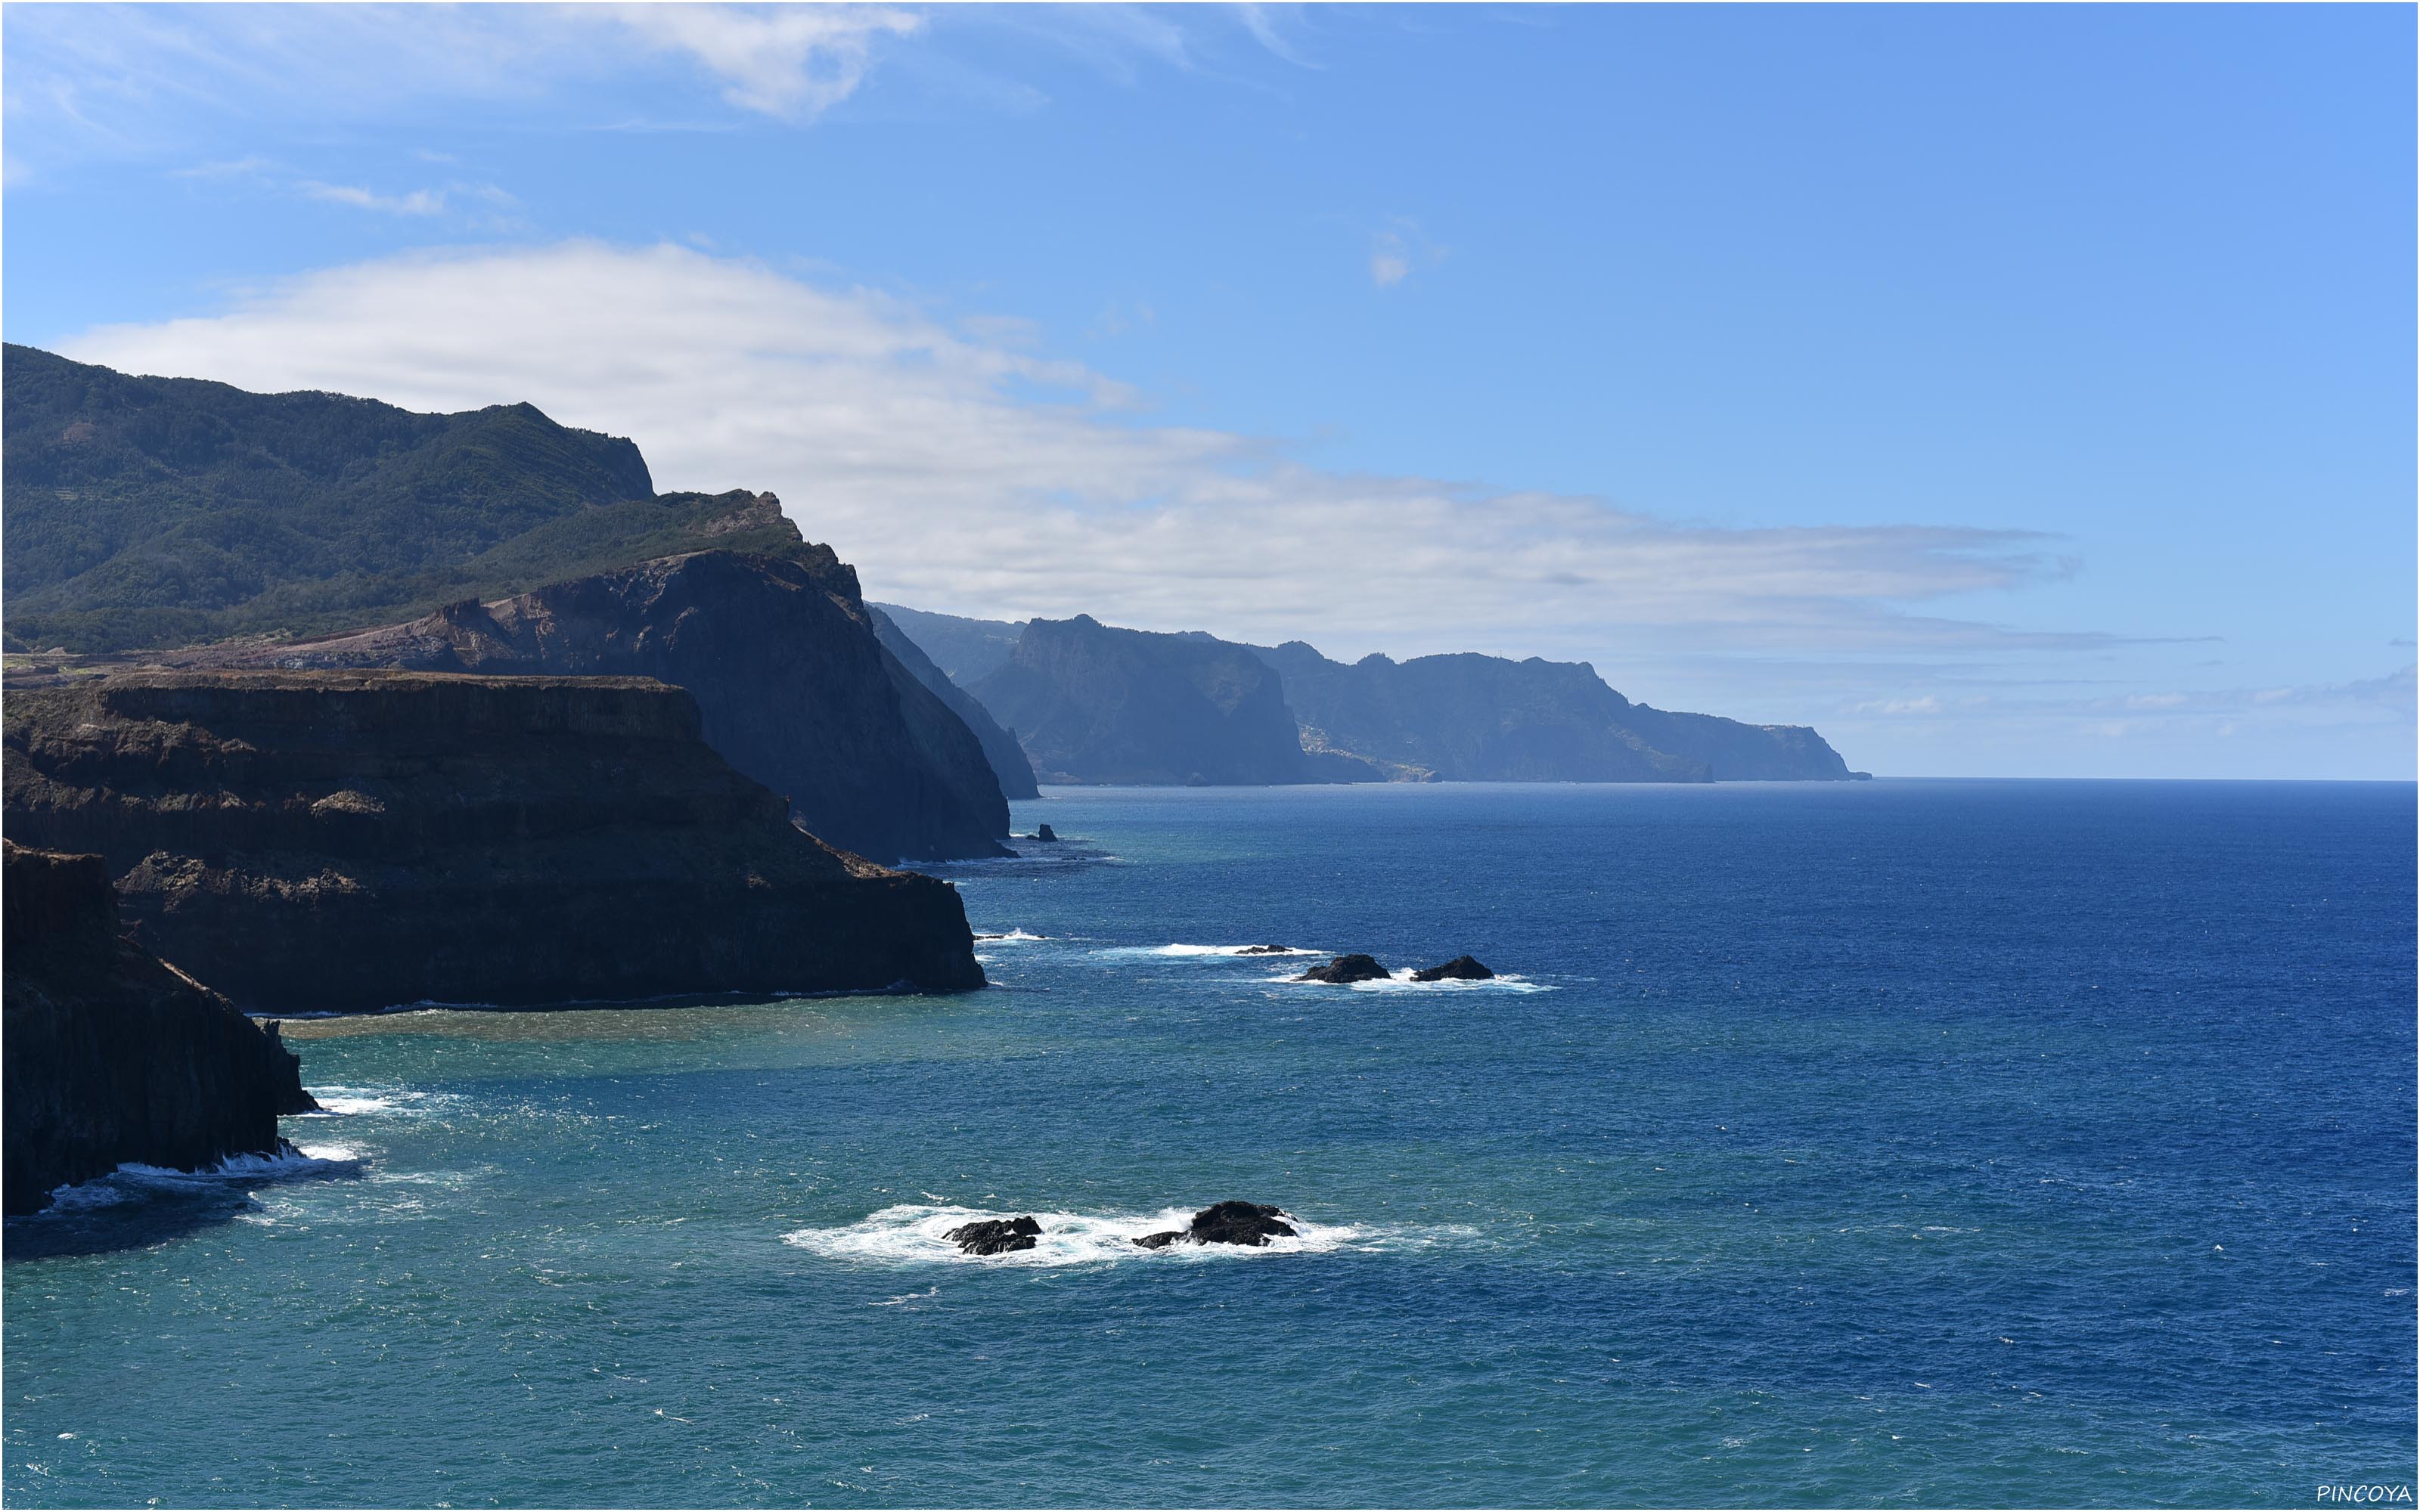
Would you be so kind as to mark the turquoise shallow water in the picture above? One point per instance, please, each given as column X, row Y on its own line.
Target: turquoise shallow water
column 1910, row 1143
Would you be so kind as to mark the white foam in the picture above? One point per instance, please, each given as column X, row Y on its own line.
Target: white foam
column 1014, row 936
column 1401, row 982
column 910, row 1234
column 348, row 1102
column 1205, row 951
column 133, row 1178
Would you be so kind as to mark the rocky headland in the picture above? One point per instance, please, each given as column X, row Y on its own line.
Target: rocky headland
column 794, row 687
column 342, row 840
column 1093, row 704
column 115, row 1056
column 1096, row 703
column 1009, row 765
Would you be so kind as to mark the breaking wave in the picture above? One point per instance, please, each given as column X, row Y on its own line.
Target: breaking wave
column 910, row 1234
column 133, row 1180
column 1401, row 982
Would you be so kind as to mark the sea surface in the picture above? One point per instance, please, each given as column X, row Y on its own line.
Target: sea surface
column 1901, row 1143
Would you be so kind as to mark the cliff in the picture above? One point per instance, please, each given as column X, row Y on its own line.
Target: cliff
column 1007, row 758
column 967, row 651
column 1097, row 704
column 115, row 1056
column 1473, row 719
column 781, row 657
column 309, row 840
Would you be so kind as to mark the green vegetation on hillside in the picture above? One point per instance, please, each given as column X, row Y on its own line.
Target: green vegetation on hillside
column 145, row 512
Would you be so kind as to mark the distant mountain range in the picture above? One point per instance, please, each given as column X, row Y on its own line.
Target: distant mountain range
column 1092, row 702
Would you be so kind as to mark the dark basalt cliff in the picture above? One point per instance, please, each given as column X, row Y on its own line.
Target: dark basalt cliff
column 1468, row 718
column 346, row 841
column 999, row 747
column 1097, row 704
column 114, row 1056
column 782, row 656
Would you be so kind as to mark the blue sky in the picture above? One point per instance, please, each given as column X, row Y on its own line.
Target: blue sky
column 2000, row 390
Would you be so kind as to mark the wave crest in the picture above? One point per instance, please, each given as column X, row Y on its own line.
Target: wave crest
column 910, row 1234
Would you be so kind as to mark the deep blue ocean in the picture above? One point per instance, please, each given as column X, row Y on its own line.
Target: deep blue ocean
column 1909, row 1143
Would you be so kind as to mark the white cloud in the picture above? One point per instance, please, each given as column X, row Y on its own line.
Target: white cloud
column 1389, row 264
column 792, row 62
column 976, row 476
column 418, row 202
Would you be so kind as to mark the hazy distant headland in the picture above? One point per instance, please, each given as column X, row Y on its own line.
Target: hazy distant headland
column 1096, row 703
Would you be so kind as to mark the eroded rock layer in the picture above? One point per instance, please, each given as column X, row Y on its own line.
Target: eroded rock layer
column 308, row 840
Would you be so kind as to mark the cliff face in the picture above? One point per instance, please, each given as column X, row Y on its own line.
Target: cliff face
column 1096, row 705
column 1463, row 718
column 1007, row 758
column 114, row 1056
column 781, row 657
column 1472, row 719
column 350, row 840
column 1469, row 718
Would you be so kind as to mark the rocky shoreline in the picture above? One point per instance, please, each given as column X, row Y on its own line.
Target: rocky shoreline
column 114, row 1056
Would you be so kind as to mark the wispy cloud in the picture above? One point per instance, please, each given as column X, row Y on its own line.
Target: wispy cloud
column 1398, row 247
column 791, row 62
column 1263, row 22
column 418, row 202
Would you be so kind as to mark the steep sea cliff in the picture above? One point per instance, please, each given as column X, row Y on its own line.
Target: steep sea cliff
column 112, row 1055
column 324, row 840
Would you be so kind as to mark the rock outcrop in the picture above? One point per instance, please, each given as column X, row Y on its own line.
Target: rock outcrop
column 115, row 1056
column 1251, row 1223
column 1345, row 969
column 349, row 840
column 1014, row 773
column 996, row 1236
column 1461, row 968
column 796, row 689
column 1097, row 704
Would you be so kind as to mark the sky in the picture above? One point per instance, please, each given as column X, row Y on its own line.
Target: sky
column 2021, row 390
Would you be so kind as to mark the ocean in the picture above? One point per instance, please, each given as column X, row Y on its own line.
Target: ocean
column 1902, row 1143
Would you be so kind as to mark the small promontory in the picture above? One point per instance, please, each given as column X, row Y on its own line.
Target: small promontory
column 339, row 841
column 114, row 1056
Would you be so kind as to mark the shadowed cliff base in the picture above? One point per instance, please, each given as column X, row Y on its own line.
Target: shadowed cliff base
column 335, row 841
column 114, row 1056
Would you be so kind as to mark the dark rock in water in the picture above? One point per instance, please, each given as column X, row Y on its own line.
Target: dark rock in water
column 347, row 840
column 1240, row 1223
column 995, row 1236
column 1265, row 949
column 115, row 1055
column 1045, row 834
column 1461, row 968
column 1249, row 1224
column 1345, row 968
